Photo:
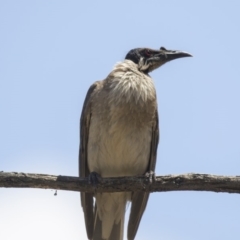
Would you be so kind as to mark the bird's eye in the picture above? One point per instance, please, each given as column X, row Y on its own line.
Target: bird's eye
column 147, row 52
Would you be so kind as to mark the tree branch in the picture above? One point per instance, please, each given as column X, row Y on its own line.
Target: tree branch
column 183, row 182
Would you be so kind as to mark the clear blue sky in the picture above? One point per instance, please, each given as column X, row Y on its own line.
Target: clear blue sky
column 52, row 51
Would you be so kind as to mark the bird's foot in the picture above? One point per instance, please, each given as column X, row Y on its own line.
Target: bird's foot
column 151, row 176
column 94, row 178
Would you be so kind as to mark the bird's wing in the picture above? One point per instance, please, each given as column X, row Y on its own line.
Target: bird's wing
column 86, row 198
column 139, row 199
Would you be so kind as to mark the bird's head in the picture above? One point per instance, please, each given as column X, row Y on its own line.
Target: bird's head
column 148, row 59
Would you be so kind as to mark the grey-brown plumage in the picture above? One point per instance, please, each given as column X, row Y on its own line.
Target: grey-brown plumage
column 119, row 137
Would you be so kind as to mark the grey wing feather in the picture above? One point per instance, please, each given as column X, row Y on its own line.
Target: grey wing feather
column 139, row 199
column 86, row 198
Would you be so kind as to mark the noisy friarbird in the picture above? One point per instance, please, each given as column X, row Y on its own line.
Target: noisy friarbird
column 119, row 136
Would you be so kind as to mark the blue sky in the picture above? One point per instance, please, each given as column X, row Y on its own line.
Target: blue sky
column 52, row 51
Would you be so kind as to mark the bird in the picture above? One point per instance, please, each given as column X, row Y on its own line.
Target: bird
column 119, row 135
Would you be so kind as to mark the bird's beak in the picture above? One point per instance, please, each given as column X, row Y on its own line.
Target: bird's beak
column 163, row 56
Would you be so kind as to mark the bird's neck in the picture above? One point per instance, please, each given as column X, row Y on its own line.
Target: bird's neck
column 128, row 84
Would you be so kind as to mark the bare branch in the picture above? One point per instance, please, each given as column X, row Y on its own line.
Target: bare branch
column 183, row 182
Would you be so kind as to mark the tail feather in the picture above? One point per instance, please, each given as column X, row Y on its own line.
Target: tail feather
column 116, row 233
column 109, row 216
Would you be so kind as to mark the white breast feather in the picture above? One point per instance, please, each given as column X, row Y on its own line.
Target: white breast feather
column 129, row 83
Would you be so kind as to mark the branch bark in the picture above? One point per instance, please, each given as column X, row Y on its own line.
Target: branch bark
column 183, row 182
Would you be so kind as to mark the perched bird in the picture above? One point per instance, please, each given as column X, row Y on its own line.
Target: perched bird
column 119, row 137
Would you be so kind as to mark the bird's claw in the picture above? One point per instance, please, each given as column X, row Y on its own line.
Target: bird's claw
column 151, row 176
column 94, row 178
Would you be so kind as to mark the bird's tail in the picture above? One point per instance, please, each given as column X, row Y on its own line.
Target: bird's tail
column 109, row 216
column 116, row 233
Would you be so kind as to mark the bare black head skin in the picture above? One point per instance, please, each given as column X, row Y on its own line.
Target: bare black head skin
column 148, row 59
